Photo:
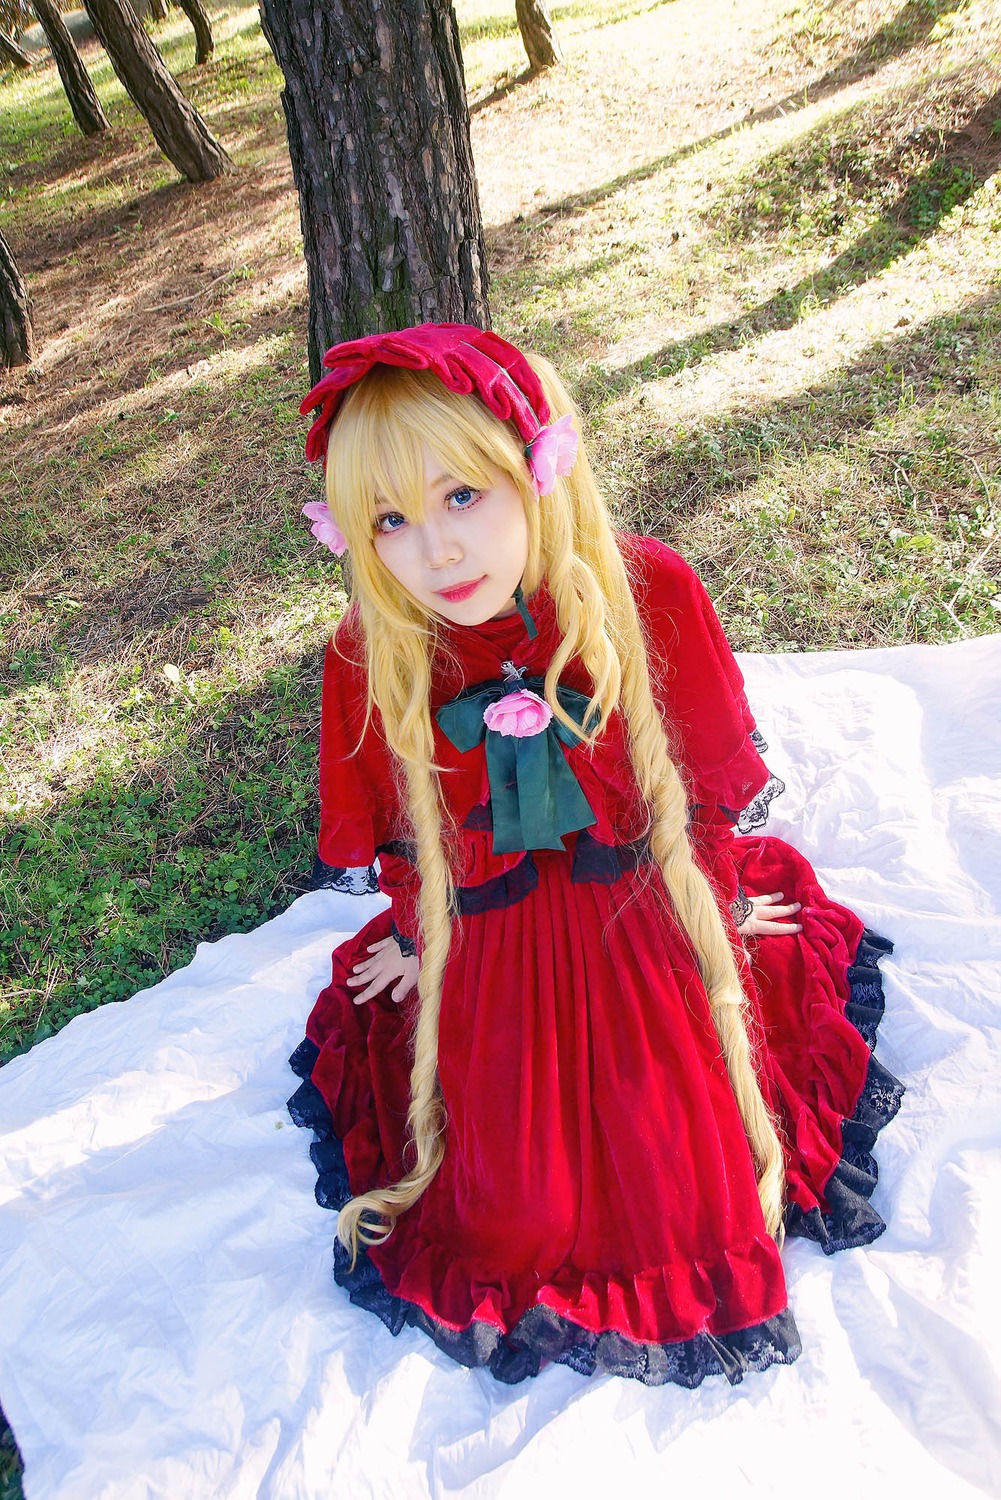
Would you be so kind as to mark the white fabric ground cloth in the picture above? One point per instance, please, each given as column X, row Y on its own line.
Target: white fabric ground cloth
column 168, row 1319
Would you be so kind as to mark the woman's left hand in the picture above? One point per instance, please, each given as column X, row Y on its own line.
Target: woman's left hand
column 765, row 919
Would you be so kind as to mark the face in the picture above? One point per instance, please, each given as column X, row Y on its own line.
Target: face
column 464, row 561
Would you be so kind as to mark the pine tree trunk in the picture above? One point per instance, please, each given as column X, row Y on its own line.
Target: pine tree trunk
column 537, row 34
column 84, row 103
column 378, row 128
column 198, row 16
column 177, row 127
column 11, row 53
column 17, row 339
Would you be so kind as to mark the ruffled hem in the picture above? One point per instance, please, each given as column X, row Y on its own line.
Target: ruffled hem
column 541, row 1335
column 851, row 1220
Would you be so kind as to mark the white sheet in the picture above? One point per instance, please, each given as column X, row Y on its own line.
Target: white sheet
column 170, row 1326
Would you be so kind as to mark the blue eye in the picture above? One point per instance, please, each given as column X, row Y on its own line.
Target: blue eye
column 464, row 497
column 390, row 521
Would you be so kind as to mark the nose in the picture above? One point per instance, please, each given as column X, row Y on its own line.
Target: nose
column 440, row 544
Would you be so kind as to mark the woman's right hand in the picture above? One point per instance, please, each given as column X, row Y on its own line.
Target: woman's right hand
column 378, row 972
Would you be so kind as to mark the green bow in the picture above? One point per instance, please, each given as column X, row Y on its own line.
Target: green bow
column 535, row 797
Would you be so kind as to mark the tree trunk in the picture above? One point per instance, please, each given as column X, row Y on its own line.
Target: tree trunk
column 84, row 103
column 17, row 339
column 537, row 34
column 158, row 10
column 11, row 53
column 198, row 16
column 177, row 127
column 378, row 128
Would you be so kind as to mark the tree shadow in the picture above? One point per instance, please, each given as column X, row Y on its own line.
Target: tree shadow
column 51, row 110
column 963, row 161
column 501, row 90
column 909, row 28
column 741, row 444
column 498, row 26
column 912, row 25
column 112, row 887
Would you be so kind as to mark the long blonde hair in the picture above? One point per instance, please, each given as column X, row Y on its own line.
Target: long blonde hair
column 375, row 454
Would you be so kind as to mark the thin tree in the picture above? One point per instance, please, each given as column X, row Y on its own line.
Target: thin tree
column 11, row 53
column 378, row 128
column 80, row 92
column 17, row 339
column 178, row 128
column 199, row 18
column 158, row 10
column 537, row 34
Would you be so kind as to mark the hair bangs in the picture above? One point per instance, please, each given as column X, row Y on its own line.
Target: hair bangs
column 375, row 456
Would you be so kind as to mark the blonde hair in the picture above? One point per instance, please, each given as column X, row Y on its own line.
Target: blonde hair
column 375, row 454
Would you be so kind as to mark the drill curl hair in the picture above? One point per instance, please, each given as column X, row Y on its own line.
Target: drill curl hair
column 375, row 454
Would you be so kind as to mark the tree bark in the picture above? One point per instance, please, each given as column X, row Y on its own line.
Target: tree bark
column 198, row 16
column 537, row 34
column 17, row 339
column 84, row 103
column 378, row 128
column 158, row 10
column 177, row 127
column 11, row 53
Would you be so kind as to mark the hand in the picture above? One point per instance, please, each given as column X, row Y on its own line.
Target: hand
column 378, row 972
column 765, row 917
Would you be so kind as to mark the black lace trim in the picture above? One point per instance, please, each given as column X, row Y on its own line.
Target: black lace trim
column 351, row 881
column 851, row 1219
column 503, row 890
column 595, row 863
column 480, row 818
column 755, row 814
column 407, row 946
column 541, row 1334
column 740, row 906
column 758, row 741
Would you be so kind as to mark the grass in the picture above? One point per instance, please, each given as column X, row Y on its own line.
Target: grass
column 771, row 273
column 783, row 329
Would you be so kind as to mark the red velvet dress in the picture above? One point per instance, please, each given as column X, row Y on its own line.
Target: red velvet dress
column 597, row 1202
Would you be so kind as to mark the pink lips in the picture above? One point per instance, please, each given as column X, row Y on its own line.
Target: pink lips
column 462, row 591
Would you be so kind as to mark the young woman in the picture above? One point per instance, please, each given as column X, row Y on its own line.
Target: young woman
column 572, row 1086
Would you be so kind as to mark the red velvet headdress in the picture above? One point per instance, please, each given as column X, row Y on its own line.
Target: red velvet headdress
column 465, row 359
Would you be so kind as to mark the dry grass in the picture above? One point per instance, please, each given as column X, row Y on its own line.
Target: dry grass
column 760, row 240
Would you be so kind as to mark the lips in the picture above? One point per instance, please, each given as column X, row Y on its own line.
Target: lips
column 461, row 591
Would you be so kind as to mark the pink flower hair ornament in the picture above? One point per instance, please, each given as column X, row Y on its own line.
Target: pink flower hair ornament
column 467, row 360
column 552, row 452
column 324, row 527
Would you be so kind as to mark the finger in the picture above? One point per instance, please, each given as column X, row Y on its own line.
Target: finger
column 381, row 945
column 373, row 989
column 772, row 929
column 365, row 975
column 771, row 912
column 402, row 990
column 377, row 961
column 767, row 900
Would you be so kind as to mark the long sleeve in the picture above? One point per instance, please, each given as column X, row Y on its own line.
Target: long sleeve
column 361, row 816
column 701, row 691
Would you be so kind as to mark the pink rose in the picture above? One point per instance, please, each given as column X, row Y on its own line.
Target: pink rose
column 324, row 527
column 522, row 714
column 552, row 452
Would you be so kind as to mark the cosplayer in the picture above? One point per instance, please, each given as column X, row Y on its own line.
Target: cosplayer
column 572, row 1087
